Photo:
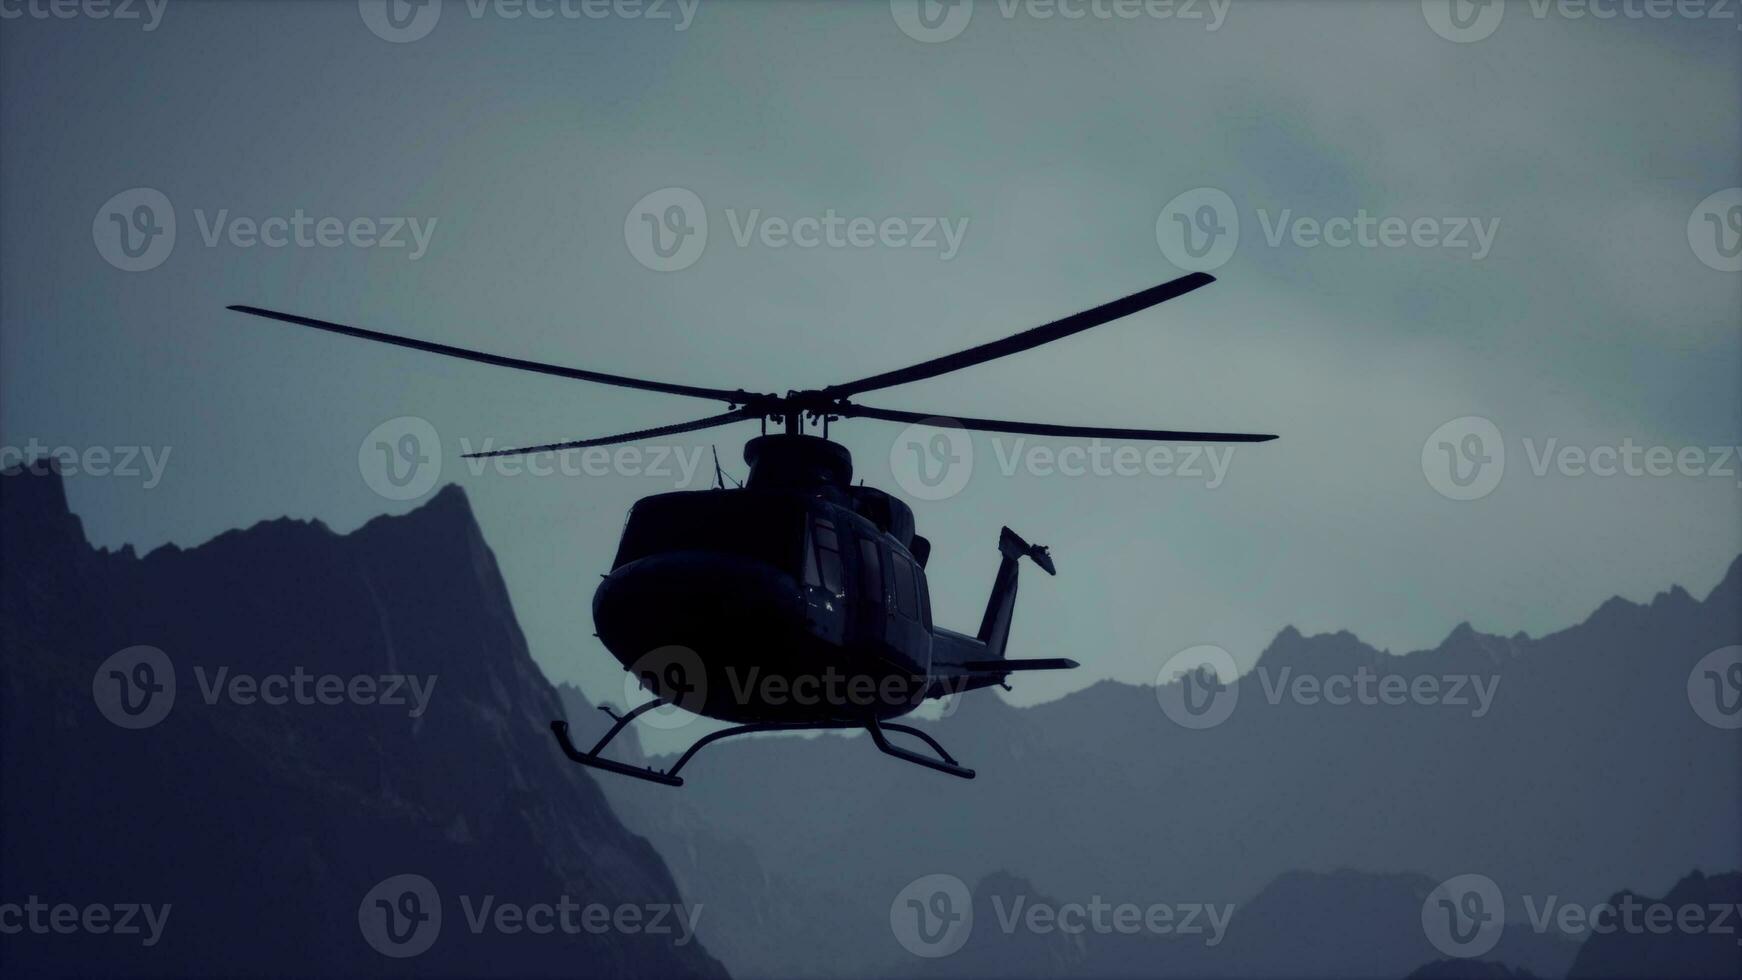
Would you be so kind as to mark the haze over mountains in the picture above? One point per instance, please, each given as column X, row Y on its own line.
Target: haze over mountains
column 1568, row 765
column 1302, row 836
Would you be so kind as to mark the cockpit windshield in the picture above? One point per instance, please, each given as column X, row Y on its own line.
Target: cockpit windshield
column 760, row 526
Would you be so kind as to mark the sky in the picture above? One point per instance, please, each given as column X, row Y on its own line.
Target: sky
column 1455, row 243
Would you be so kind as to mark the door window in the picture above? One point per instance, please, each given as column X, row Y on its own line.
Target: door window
column 870, row 572
column 906, row 593
column 823, row 565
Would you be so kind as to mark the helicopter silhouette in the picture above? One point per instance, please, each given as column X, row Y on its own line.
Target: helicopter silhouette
column 798, row 601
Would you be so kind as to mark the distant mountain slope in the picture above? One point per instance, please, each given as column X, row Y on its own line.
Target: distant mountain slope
column 1713, row 949
column 1341, row 924
column 1586, row 768
column 265, row 826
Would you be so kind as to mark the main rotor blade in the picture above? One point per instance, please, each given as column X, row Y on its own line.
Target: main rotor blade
column 578, row 374
column 1028, row 339
column 1047, row 429
column 663, row 430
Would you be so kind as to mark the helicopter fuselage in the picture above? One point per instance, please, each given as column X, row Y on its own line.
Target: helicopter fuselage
column 769, row 605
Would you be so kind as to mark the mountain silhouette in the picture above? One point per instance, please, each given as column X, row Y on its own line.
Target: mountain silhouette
column 1675, row 953
column 267, row 827
column 1587, row 768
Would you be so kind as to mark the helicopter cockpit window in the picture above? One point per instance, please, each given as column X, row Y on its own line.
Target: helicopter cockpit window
column 823, row 565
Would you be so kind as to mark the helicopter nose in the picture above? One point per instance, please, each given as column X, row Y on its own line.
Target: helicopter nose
column 725, row 607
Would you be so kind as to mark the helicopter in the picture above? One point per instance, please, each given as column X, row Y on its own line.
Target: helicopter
column 798, row 601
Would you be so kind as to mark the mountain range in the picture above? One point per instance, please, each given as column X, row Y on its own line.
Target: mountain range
column 267, row 836
column 1567, row 765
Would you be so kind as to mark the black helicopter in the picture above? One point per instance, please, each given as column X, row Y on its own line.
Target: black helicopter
column 798, row 601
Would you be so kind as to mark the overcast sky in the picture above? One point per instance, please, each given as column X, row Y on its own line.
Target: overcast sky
column 1566, row 275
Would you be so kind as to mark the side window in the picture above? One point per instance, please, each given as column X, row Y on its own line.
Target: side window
column 823, row 566
column 870, row 572
column 906, row 598
column 924, row 596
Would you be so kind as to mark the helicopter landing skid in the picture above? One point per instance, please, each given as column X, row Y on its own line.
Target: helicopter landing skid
column 944, row 762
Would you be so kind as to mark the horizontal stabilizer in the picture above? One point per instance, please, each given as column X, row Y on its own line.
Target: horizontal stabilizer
column 1009, row 666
